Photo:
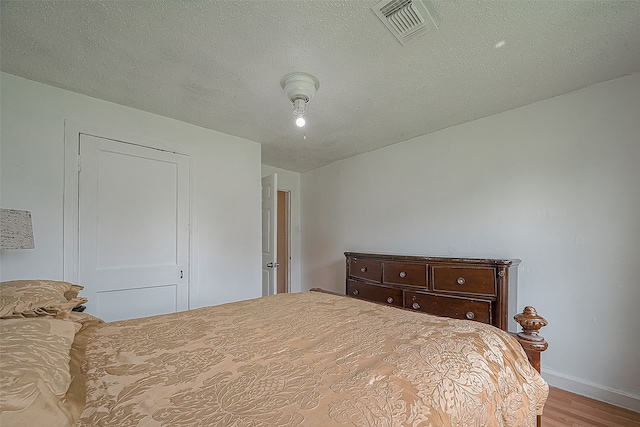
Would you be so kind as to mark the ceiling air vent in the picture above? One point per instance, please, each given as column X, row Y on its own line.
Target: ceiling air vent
column 407, row 19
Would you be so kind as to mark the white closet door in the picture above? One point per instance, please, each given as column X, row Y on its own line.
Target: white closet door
column 133, row 216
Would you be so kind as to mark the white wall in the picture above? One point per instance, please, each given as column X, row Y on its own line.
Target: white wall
column 290, row 181
column 555, row 183
column 225, row 213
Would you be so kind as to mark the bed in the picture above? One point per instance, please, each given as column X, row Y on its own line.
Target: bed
column 301, row 359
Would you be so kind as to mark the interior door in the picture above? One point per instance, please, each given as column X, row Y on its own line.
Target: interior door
column 269, row 234
column 133, row 232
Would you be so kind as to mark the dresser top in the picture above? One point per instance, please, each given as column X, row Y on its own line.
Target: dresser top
column 441, row 259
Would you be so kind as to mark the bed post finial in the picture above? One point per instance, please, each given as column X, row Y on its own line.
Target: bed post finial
column 531, row 324
column 532, row 343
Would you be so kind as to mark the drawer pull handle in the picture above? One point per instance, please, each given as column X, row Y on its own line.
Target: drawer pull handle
column 390, row 300
column 403, row 274
column 356, row 292
column 470, row 315
column 415, row 306
column 461, row 281
column 363, row 269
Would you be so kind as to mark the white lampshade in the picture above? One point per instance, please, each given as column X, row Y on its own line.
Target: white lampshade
column 16, row 230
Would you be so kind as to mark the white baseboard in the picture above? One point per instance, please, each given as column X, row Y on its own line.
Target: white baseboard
column 594, row 391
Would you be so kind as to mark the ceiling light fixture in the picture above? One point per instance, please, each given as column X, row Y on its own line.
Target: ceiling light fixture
column 300, row 89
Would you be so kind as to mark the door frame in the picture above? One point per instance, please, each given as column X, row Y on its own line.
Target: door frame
column 72, row 132
column 290, row 182
column 287, row 271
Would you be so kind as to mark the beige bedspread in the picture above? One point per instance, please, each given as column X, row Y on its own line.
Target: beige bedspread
column 307, row 359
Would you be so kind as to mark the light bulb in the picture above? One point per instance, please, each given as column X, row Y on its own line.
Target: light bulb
column 299, row 106
column 300, row 121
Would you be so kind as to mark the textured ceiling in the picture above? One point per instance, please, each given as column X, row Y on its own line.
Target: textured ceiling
column 218, row 64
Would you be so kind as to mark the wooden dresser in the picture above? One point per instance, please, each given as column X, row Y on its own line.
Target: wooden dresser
column 484, row 290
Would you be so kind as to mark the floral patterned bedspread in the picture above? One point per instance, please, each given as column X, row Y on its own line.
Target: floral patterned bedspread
column 307, row 359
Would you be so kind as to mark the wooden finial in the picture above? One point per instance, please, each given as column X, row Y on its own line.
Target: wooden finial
column 531, row 323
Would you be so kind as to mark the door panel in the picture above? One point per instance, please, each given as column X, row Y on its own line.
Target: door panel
column 269, row 234
column 157, row 300
column 136, row 198
column 133, row 229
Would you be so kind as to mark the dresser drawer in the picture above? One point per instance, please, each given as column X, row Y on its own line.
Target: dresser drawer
column 401, row 273
column 468, row 280
column 366, row 269
column 375, row 293
column 457, row 308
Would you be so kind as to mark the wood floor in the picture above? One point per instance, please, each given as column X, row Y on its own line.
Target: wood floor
column 568, row 409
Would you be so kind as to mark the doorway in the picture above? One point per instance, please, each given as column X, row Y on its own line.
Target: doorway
column 283, row 241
